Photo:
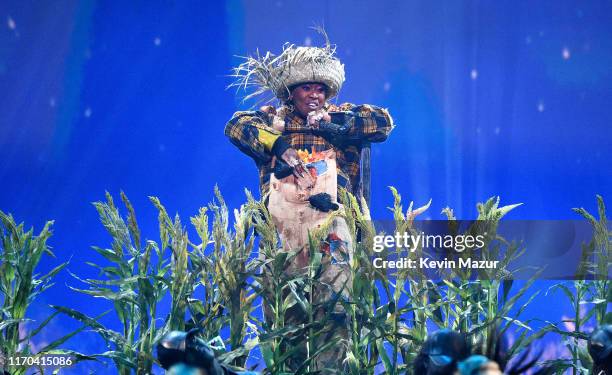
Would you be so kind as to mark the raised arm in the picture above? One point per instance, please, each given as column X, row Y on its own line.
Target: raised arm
column 251, row 133
column 371, row 123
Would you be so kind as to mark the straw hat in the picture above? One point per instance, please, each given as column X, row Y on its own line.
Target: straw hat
column 295, row 65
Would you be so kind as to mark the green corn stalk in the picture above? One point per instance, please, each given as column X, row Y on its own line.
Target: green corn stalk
column 363, row 353
column 221, row 266
column 231, row 255
column 282, row 292
column 136, row 281
column 414, row 279
column 220, row 291
column 319, row 312
column 20, row 254
column 271, row 285
column 279, row 292
column 207, row 312
column 589, row 295
column 471, row 307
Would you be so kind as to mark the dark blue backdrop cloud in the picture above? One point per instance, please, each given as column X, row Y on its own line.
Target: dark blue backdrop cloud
column 489, row 98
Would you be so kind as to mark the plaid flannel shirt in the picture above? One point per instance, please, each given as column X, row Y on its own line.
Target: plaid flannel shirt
column 253, row 134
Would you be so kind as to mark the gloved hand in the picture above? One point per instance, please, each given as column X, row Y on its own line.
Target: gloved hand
column 323, row 202
column 303, row 178
column 315, row 117
column 281, row 169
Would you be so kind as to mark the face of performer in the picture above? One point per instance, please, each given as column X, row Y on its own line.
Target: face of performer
column 308, row 97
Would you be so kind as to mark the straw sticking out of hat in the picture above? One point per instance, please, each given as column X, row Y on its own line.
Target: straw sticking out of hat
column 295, row 65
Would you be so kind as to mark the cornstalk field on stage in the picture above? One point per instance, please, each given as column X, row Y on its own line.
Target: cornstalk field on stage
column 212, row 276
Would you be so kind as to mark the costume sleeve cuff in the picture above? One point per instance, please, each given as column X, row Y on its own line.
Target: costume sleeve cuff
column 267, row 138
column 279, row 147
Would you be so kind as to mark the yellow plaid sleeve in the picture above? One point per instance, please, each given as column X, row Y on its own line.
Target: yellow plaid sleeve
column 252, row 134
column 371, row 123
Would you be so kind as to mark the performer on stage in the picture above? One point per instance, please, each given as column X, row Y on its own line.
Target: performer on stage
column 303, row 79
column 305, row 150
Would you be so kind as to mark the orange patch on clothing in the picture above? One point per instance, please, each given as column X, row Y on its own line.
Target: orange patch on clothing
column 310, row 157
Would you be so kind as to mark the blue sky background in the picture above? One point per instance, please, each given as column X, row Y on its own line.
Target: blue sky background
column 489, row 98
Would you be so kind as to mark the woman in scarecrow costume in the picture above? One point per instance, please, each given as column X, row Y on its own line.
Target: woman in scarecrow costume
column 305, row 151
column 303, row 79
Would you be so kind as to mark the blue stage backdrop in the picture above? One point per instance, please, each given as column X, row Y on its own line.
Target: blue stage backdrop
column 489, row 98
